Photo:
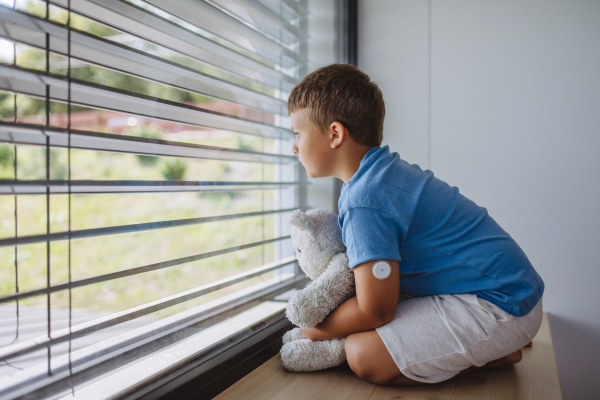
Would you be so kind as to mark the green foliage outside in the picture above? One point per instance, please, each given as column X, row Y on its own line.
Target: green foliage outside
column 174, row 170
column 6, row 156
column 147, row 131
column 106, row 254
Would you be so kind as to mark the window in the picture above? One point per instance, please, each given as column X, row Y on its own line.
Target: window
column 146, row 176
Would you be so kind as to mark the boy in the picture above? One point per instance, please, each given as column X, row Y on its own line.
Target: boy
column 470, row 298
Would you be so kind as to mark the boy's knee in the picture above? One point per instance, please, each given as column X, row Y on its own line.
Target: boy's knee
column 356, row 357
column 361, row 362
column 352, row 349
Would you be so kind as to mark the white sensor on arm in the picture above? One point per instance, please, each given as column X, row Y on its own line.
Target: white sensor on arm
column 382, row 270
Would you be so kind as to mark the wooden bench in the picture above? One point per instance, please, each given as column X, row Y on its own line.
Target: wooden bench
column 535, row 377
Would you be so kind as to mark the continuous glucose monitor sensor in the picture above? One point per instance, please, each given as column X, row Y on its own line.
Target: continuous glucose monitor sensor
column 382, row 270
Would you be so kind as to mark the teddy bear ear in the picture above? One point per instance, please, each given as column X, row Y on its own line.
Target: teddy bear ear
column 301, row 221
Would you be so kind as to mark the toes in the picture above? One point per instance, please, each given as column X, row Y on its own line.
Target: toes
column 515, row 357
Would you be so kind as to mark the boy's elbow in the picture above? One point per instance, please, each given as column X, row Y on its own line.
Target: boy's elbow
column 388, row 317
column 374, row 317
column 382, row 317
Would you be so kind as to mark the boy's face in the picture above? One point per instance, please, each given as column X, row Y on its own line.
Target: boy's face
column 312, row 145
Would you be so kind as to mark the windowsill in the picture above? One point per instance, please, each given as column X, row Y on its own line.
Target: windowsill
column 149, row 368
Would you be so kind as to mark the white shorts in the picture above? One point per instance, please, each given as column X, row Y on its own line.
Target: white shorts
column 433, row 338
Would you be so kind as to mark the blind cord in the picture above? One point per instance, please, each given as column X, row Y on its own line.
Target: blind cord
column 16, row 207
column 16, row 213
column 69, row 193
column 48, row 297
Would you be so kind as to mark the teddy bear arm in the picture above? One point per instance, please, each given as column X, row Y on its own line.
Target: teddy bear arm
column 338, row 280
column 309, row 306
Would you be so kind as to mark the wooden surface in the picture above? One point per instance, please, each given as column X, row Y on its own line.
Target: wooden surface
column 535, row 377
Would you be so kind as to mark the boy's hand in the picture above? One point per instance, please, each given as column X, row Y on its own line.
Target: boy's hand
column 308, row 332
column 316, row 334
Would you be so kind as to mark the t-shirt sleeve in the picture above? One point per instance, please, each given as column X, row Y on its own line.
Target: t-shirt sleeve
column 371, row 235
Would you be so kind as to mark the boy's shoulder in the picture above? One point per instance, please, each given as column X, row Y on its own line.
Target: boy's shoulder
column 384, row 182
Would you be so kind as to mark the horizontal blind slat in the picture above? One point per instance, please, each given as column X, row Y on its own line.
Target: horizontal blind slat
column 223, row 25
column 95, row 354
column 134, row 271
column 38, row 135
column 64, row 335
column 33, row 187
column 113, row 230
column 108, row 98
column 140, row 23
column 297, row 6
column 286, row 58
column 257, row 14
column 32, row 30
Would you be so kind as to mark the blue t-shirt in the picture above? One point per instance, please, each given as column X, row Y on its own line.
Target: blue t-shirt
column 445, row 243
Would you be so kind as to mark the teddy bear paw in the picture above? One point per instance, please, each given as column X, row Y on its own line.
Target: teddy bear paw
column 300, row 312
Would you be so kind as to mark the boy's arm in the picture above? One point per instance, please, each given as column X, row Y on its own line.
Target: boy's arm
column 373, row 306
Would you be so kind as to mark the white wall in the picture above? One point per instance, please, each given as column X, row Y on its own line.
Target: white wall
column 502, row 100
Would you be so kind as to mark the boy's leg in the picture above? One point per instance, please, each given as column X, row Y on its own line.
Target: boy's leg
column 370, row 360
column 435, row 338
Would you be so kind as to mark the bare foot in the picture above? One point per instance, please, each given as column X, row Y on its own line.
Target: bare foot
column 505, row 361
column 502, row 362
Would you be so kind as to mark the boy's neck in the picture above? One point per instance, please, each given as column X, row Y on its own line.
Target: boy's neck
column 350, row 161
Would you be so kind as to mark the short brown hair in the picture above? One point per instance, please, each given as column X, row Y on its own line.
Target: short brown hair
column 342, row 93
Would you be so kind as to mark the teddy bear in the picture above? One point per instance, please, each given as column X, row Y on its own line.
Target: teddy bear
column 317, row 240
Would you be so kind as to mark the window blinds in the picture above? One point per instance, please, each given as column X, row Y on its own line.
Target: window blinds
column 145, row 169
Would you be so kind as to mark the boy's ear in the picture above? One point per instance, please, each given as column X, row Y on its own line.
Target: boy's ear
column 337, row 134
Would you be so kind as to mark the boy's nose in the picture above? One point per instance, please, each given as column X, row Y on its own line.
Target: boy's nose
column 295, row 149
